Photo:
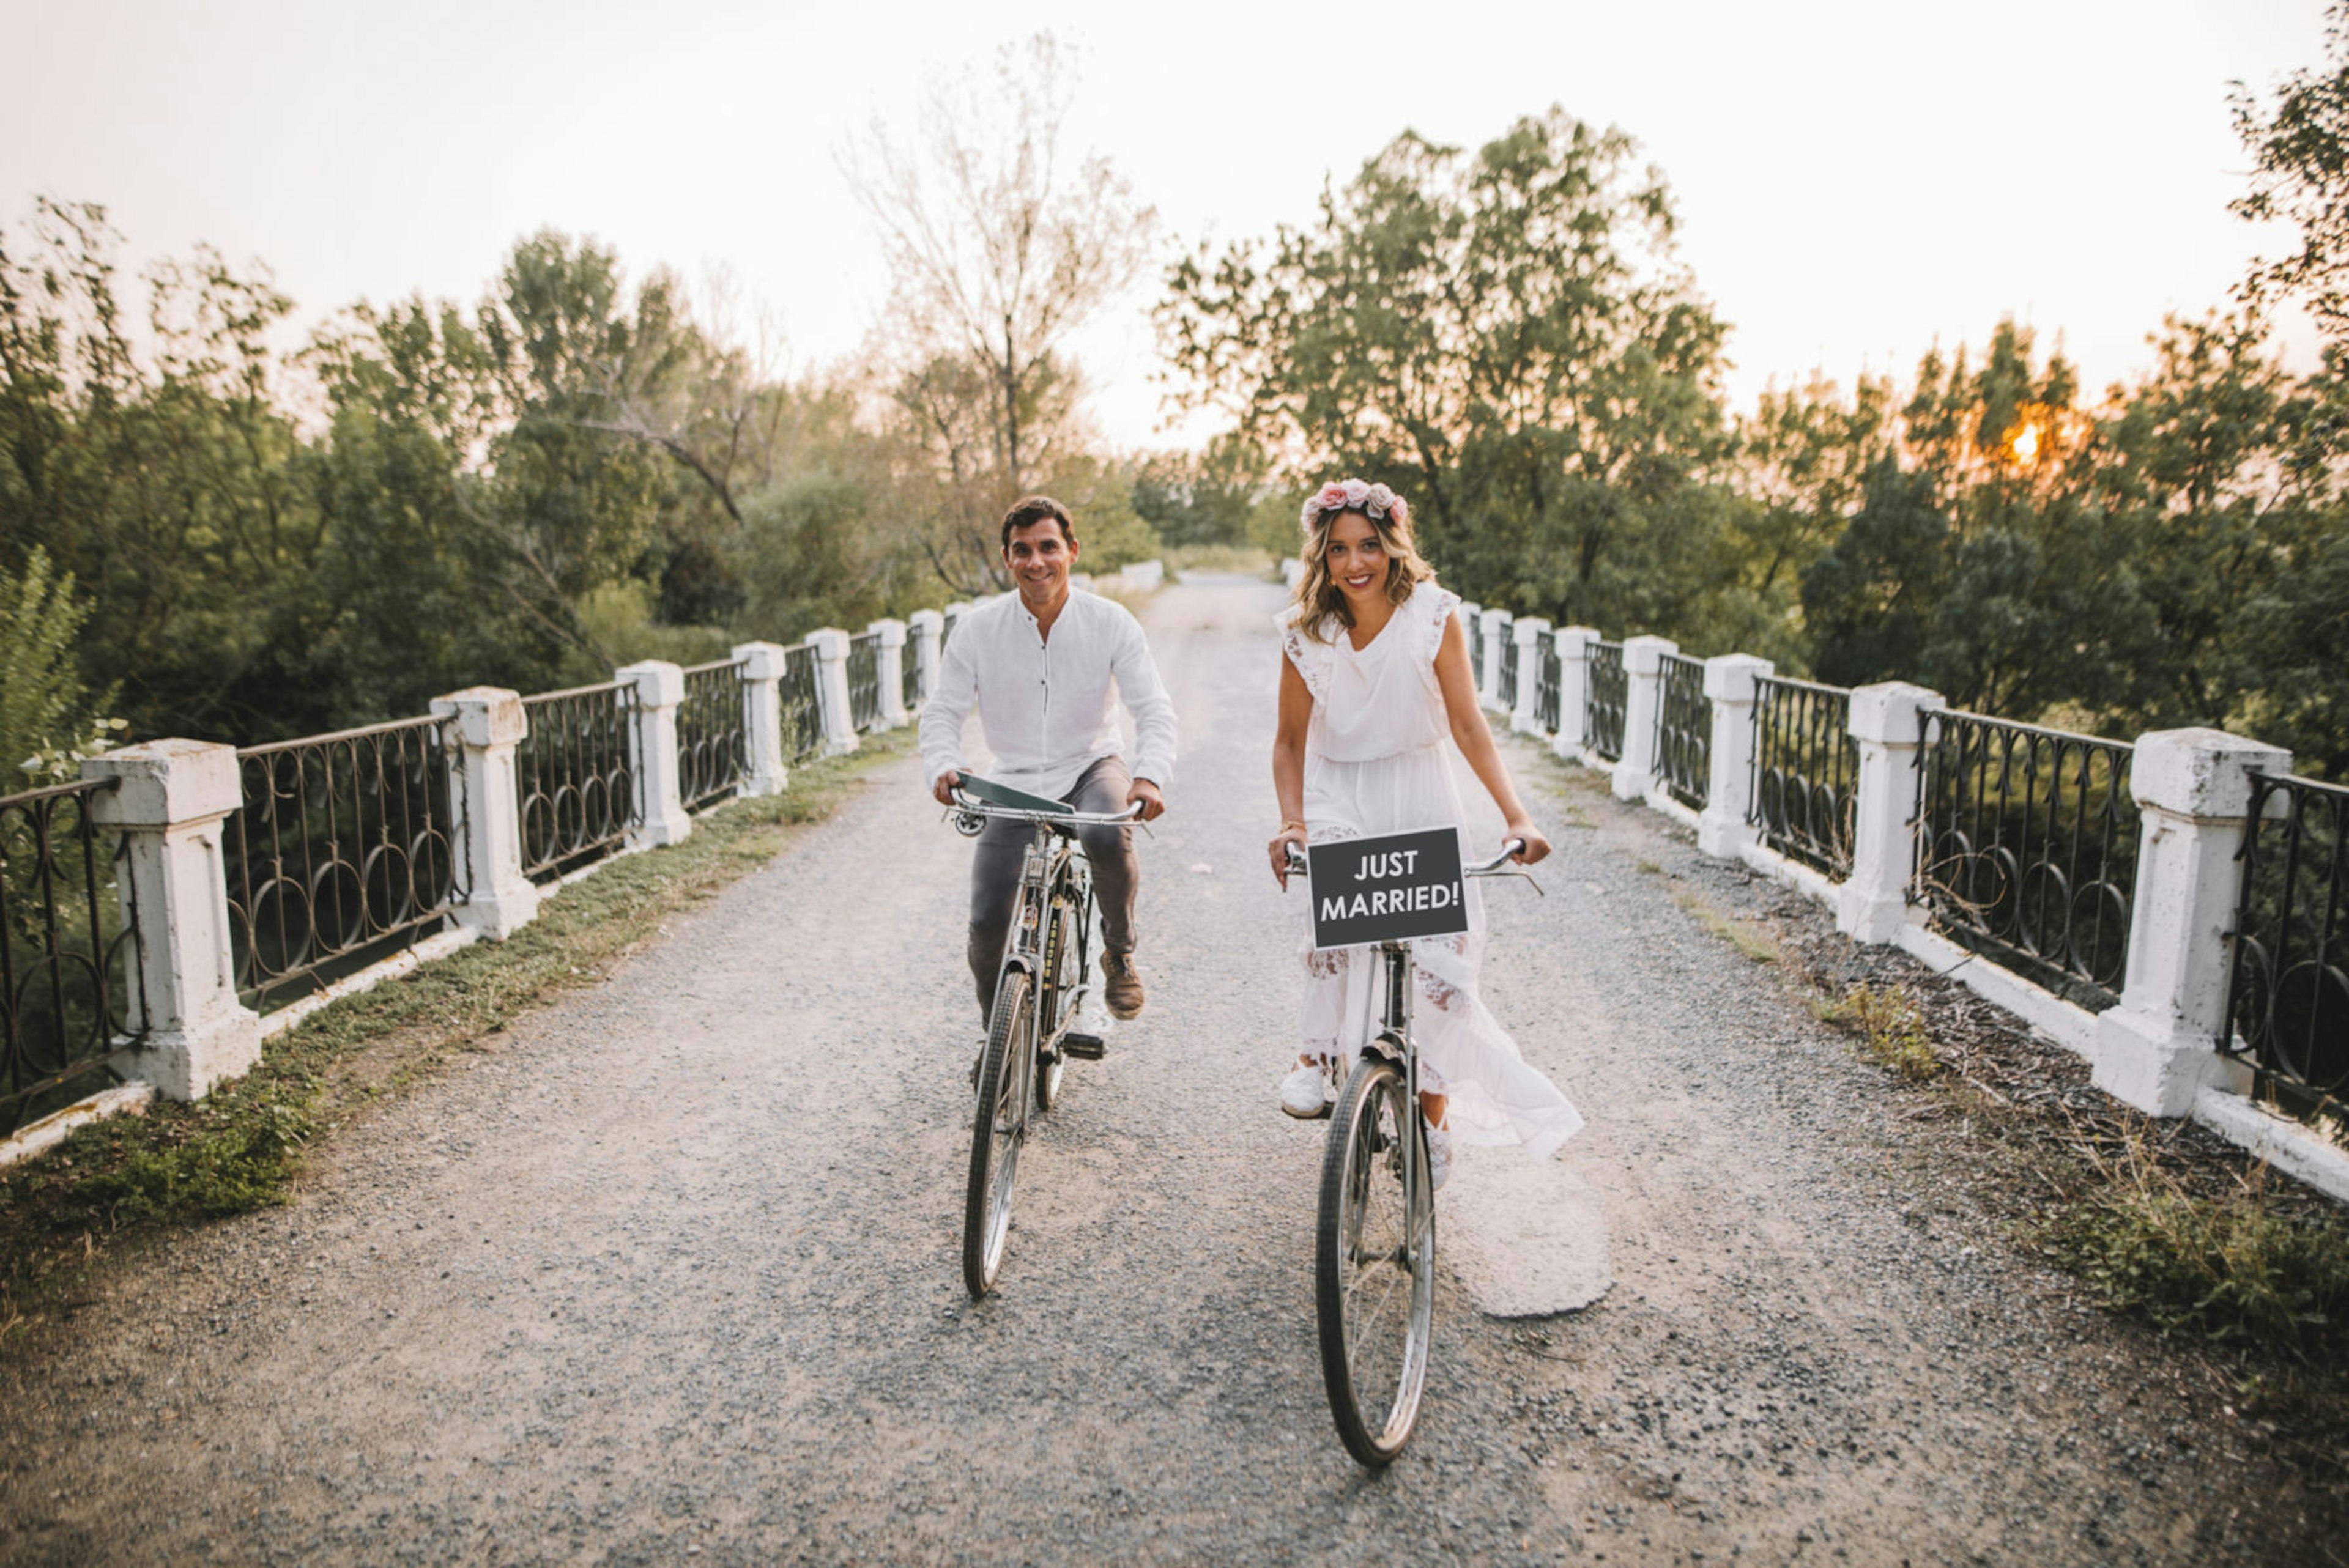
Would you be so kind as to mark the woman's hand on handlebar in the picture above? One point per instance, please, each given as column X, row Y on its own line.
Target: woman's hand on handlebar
column 1279, row 850
column 1537, row 846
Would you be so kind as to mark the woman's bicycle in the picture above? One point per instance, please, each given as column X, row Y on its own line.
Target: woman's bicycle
column 1374, row 1241
column 1034, row 1028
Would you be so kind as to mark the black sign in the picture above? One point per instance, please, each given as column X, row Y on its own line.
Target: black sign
column 1386, row 889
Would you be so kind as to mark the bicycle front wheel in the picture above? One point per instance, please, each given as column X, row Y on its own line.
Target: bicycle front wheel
column 997, row 1130
column 1374, row 1263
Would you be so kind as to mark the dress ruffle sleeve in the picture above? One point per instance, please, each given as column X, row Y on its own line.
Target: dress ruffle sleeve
column 1437, row 613
column 1311, row 658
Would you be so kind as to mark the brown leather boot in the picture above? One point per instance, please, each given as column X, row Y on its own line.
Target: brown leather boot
column 1120, row 988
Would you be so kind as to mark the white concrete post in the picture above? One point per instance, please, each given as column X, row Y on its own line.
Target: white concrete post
column 169, row 803
column 1733, row 684
column 487, row 723
column 889, row 657
column 1643, row 683
column 652, row 753
column 2159, row 1047
column 927, row 629
column 1573, row 688
column 830, row 648
column 1527, row 633
column 1488, row 679
column 763, row 716
column 1872, row 904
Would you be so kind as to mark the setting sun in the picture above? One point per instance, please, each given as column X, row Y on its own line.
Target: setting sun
column 2025, row 445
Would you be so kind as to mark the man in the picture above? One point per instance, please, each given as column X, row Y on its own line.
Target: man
column 1040, row 663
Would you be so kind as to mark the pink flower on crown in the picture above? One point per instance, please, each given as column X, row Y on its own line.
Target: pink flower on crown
column 1356, row 492
column 1333, row 496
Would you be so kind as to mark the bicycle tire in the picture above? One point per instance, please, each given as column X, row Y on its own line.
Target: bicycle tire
column 1374, row 1359
column 1053, row 1001
column 1000, row 1126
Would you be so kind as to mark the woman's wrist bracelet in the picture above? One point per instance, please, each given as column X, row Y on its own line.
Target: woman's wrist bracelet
column 1299, row 826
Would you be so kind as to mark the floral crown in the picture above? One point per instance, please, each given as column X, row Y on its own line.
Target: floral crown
column 1374, row 501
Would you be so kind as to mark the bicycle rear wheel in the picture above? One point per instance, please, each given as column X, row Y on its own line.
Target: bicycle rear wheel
column 1374, row 1264
column 997, row 1130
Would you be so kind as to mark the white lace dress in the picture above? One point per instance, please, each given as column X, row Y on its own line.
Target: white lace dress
column 1375, row 762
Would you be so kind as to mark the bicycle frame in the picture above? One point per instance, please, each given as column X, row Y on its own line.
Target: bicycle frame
column 1055, row 873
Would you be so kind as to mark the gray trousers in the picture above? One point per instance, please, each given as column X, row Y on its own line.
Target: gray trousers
column 995, row 864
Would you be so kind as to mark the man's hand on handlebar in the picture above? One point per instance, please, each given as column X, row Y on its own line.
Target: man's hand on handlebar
column 949, row 782
column 1143, row 793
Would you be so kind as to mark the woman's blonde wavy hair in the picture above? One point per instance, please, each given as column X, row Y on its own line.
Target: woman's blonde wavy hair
column 1322, row 605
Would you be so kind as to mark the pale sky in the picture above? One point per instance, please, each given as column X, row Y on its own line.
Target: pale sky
column 1855, row 180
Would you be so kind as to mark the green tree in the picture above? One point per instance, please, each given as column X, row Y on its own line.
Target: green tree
column 47, row 723
column 1503, row 336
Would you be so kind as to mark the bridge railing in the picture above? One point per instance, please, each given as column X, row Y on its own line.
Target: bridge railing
column 2176, row 909
column 289, row 874
column 70, row 1013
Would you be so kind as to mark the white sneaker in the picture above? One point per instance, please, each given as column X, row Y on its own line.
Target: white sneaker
column 1305, row 1093
column 1439, row 1156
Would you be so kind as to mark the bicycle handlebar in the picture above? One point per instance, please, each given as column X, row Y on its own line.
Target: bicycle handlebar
column 965, row 804
column 1495, row 867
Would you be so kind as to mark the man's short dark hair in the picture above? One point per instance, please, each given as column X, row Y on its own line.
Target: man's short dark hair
column 1037, row 508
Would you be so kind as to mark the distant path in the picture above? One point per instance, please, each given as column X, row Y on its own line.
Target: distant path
column 676, row 1268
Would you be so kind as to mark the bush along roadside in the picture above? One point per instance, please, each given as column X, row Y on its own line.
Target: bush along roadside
column 140, row 1176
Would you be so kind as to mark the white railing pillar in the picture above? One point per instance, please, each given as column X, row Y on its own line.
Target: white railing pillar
column 1872, row 904
column 2159, row 1047
column 1527, row 633
column 951, row 617
column 889, row 651
column 1643, row 684
column 652, row 752
column 1573, row 690
column 1488, row 679
column 925, row 628
column 763, row 716
column 487, row 723
column 170, row 802
column 829, row 645
column 1733, row 684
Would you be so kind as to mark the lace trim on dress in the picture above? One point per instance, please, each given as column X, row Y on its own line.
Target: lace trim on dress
column 1311, row 658
column 1433, row 617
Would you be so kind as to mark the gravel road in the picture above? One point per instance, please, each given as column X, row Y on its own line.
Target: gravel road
column 674, row 1272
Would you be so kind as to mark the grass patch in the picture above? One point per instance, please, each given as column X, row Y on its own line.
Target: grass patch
column 1750, row 940
column 1891, row 1029
column 2225, row 1266
column 243, row 1148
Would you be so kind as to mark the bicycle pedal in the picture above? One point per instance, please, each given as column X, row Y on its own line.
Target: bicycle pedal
column 1084, row 1047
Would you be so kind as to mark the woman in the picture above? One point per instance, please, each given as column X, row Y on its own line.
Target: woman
column 1373, row 676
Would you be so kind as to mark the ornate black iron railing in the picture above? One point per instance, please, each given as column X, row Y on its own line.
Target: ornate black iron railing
column 802, row 709
column 1548, row 675
column 1509, row 675
column 68, row 952
column 1476, row 648
column 347, row 848
column 865, row 681
column 1805, row 772
column 1602, row 705
column 909, row 675
column 2026, row 848
column 2288, row 988
column 575, row 778
column 1684, row 731
column 713, row 754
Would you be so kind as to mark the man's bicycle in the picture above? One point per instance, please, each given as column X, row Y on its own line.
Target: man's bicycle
column 1374, row 1241
column 1039, row 996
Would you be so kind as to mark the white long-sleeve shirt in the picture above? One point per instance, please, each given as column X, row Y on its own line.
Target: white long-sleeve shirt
column 1046, row 703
